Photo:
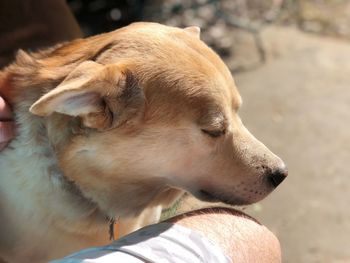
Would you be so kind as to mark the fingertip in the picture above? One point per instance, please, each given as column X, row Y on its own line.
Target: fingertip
column 5, row 111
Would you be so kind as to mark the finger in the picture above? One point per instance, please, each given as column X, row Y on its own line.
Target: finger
column 5, row 111
column 7, row 131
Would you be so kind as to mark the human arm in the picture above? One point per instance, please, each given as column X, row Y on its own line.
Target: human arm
column 219, row 235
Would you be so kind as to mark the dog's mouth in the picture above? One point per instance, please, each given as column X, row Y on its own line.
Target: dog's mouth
column 213, row 197
column 204, row 195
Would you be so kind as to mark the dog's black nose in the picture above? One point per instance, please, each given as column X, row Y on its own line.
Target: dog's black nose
column 277, row 176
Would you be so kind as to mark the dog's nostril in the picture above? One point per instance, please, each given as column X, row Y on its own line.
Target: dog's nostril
column 277, row 176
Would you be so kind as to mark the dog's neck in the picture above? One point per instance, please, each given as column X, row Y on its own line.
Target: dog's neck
column 34, row 142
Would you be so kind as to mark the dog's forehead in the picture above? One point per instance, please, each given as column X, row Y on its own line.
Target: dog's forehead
column 171, row 57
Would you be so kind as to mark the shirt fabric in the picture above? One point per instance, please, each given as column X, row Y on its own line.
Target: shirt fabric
column 159, row 243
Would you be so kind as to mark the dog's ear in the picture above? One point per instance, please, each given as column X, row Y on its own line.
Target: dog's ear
column 103, row 96
column 193, row 31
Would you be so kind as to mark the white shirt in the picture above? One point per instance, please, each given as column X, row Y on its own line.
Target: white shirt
column 159, row 243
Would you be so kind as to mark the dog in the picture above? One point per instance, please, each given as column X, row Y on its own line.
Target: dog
column 116, row 127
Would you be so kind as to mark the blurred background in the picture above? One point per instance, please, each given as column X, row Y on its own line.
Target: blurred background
column 291, row 63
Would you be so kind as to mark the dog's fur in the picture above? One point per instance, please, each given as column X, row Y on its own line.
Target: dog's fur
column 118, row 126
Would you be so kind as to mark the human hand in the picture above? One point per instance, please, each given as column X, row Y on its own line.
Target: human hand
column 7, row 127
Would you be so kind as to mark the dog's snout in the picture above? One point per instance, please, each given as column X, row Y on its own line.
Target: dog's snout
column 277, row 176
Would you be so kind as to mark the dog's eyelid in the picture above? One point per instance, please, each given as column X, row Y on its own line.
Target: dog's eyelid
column 215, row 129
column 213, row 121
column 214, row 133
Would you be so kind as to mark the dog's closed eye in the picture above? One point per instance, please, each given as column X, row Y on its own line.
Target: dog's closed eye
column 213, row 124
column 214, row 133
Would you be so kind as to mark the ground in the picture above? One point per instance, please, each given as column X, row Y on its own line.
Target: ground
column 298, row 104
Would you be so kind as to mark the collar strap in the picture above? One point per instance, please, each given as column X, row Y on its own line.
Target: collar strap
column 113, row 229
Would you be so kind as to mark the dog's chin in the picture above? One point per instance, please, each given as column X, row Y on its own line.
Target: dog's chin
column 209, row 196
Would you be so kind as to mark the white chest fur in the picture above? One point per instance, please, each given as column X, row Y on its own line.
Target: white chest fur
column 38, row 211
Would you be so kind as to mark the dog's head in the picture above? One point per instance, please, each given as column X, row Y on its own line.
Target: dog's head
column 147, row 108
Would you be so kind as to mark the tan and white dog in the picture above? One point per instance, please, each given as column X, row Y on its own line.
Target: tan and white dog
column 118, row 126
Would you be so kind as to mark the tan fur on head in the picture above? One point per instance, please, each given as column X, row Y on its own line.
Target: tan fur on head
column 117, row 126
